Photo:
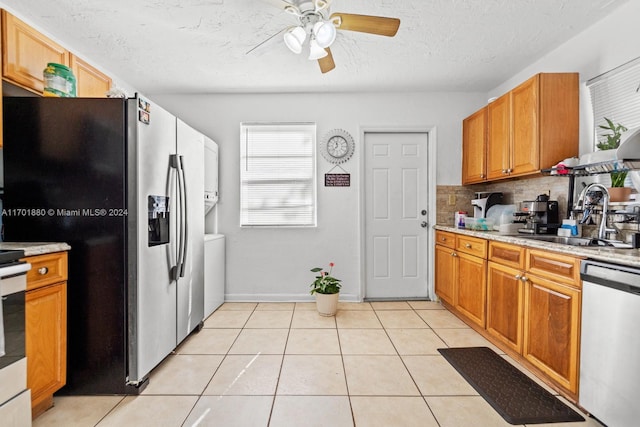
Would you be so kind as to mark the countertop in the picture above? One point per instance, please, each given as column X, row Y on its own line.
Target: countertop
column 629, row 257
column 35, row 248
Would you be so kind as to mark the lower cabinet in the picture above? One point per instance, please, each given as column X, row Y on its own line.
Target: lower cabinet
column 460, row 274
column 526, row 301
column 46, row 328
column 445, row 273
column 471, row 287
column 551, row 329
column 505, row 305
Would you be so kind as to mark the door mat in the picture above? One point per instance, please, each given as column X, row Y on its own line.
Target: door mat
column 515, row 396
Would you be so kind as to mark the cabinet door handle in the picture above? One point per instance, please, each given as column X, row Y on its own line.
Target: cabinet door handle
column 454, row 254
column 509, row 170
column 524, row 279
column 518, row 277
column 43, row 270
column 444, row 239
column 468, row 245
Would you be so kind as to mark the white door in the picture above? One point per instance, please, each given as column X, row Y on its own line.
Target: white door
column 396, row 211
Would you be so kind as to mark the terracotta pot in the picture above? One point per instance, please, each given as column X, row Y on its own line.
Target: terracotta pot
column 619, row 194
column 327, row 304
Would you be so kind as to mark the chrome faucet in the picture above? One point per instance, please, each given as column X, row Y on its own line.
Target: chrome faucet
column 589, row 199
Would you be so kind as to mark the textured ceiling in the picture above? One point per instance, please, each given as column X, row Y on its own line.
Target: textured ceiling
column 199, row 46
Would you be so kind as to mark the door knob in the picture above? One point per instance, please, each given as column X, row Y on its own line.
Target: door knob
column 423, row 212
column 423, row 224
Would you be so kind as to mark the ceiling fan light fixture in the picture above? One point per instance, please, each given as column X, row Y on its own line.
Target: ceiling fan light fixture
column 325, row 33
column 315, row 51
column 294, row 38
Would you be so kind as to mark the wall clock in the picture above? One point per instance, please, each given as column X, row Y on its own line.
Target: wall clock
column 337, row 146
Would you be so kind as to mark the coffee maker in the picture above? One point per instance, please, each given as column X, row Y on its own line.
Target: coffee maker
column 482, row 201
column 540, row 216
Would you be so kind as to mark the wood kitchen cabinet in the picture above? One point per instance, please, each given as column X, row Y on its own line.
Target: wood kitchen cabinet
column 552, row 311
column 505, row 294
column 474, row 147
column 461, row 275
column 499, row 135
column 544, row 123
column 526, row 301
column 471, row 278
column 26, row 52
column 90, row 82
column 531, row 127
column 445, row 266
column 46, row 328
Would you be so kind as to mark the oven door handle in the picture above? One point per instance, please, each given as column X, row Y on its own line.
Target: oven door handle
column 14, row 270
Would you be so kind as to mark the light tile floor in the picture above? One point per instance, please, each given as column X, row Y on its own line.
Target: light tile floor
column 281, row 364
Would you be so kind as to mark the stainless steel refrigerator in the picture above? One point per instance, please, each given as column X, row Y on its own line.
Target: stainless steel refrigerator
column 121, row 181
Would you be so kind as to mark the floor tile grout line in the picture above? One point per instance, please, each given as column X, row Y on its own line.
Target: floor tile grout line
column 284, row 352
column 224, row 357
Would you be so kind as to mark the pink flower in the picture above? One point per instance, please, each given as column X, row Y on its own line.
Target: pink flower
column 331, row 264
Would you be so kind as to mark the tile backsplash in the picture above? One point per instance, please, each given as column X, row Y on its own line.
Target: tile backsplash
column 515, row 191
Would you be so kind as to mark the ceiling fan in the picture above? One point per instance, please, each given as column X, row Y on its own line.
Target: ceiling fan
column 319, row 27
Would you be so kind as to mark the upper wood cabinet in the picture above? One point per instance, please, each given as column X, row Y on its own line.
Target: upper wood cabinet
column 26, row 52
column 532, row 127
column 499, row 133
column 474, row 147
column 90, row 82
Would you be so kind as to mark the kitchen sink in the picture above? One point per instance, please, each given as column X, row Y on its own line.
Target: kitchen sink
column 578, row 241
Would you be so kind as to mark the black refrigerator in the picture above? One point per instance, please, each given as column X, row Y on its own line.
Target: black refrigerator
column 112, row 178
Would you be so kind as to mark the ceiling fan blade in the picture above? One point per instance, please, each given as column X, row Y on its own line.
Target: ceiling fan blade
column 326, row 63
column 379, row 25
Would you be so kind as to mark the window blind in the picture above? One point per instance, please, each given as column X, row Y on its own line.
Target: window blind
column 616, row 96
column 277, row 174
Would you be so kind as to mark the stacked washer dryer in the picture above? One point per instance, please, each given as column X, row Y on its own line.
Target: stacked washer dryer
column 214, row 243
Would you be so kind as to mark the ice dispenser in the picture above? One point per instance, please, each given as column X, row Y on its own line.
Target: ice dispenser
column 158, row 220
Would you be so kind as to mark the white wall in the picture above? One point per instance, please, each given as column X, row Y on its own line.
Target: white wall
column 611, row 42
column 274, row 264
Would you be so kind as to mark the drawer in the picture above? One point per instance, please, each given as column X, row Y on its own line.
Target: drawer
column 46, row 269
column 445, row 239
column 471, row 245
column 554, row 266
column 506, row 254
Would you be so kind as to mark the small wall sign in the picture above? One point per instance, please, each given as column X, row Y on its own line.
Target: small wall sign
column 337, row 180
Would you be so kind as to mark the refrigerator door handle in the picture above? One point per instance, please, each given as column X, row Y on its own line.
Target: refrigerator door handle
column 177, row 270
column 185, row 217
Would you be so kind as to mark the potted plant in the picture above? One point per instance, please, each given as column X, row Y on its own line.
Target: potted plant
column 327, row 291
column 618, row 192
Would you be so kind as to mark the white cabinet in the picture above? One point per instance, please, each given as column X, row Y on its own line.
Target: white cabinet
column 214, row 272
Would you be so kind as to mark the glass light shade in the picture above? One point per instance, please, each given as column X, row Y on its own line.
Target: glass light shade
column 315, row 51
column 325, row 33
column 294, row 38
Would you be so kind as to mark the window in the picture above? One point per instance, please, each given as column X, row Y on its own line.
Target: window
column 277, row 175
column 616, row 96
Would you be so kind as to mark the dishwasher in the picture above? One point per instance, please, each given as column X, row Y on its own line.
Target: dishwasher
column 610, row 343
